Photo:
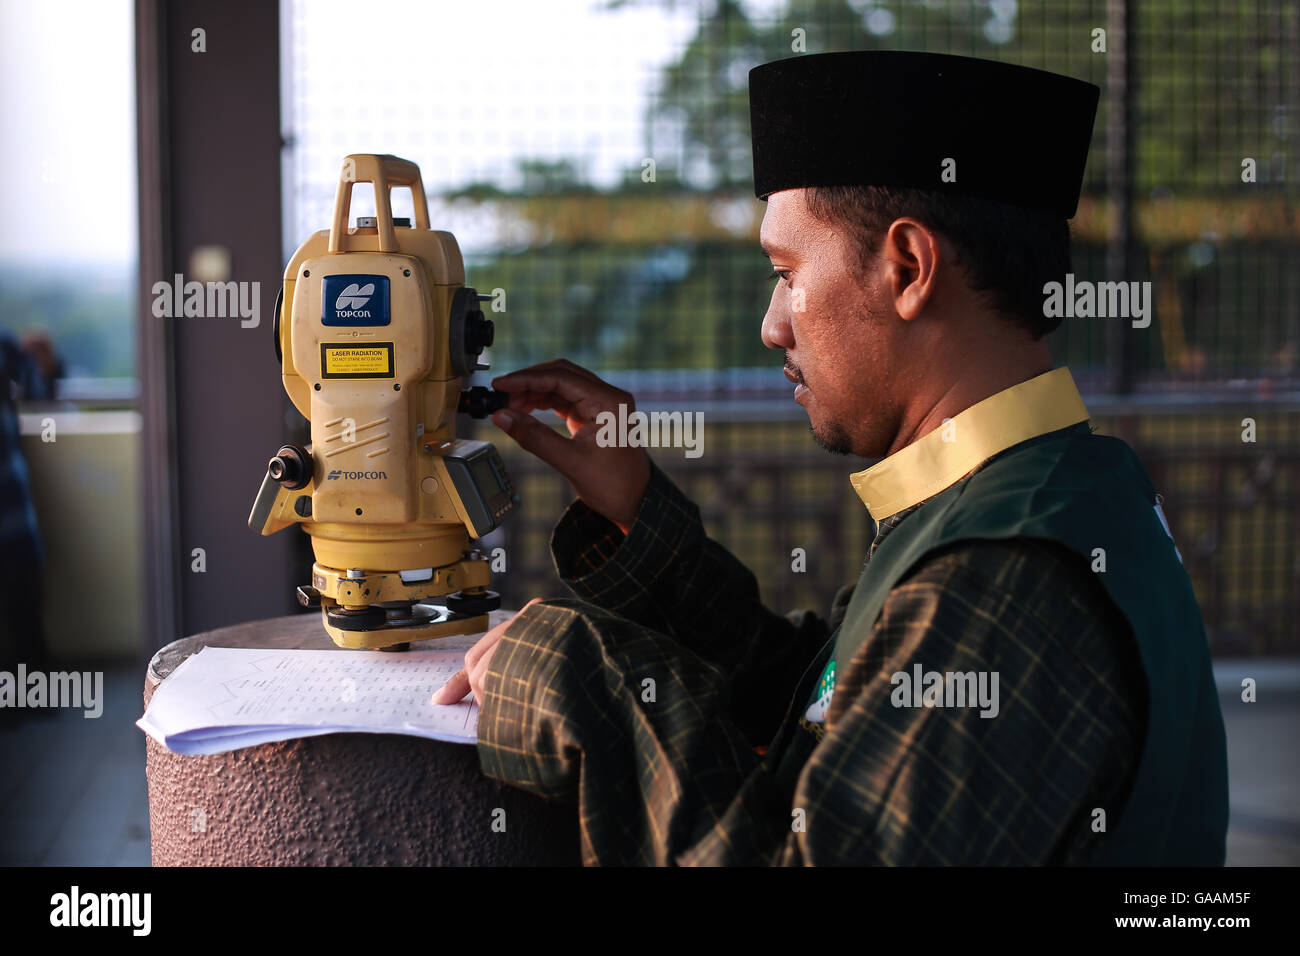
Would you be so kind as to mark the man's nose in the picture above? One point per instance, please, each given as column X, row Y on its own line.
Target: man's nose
column 776, row 329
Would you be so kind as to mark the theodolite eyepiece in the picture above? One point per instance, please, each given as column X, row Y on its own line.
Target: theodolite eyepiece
column 291, row 467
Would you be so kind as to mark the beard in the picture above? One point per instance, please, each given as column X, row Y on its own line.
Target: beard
column 833, row 438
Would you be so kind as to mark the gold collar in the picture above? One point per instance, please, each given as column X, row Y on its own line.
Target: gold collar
column 935, row 461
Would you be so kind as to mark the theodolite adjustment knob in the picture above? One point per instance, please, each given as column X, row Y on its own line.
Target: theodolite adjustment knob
column 470, row 332
column 480, row 402
column 479, row 333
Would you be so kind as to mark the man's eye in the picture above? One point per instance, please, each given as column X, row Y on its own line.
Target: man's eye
column 780, row 274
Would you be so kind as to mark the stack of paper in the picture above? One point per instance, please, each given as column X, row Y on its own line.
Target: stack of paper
column 225, row 698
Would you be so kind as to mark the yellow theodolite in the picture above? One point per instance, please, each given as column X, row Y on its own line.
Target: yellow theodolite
column 378, row 332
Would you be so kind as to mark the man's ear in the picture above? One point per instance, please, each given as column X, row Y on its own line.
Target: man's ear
column 913, row 257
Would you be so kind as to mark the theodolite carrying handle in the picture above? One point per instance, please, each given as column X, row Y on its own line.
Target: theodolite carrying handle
column 385, row 172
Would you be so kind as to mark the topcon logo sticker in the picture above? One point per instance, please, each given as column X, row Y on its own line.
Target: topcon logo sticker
column 355, row 475
column 354, row 300
column 354, row 297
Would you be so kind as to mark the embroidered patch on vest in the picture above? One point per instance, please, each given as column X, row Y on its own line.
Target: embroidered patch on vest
column 816, row 712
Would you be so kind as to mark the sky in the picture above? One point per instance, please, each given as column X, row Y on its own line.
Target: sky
column 67, row 130
column 463, row 89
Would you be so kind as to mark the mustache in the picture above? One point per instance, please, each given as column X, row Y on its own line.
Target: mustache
column 794, row 371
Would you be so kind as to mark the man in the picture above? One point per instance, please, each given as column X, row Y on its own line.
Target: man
column 1020, row 675
column 27, row 371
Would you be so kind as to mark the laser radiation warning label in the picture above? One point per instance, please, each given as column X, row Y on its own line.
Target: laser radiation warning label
column 341, row 360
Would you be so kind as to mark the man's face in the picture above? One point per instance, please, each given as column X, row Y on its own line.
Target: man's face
column 837, row 327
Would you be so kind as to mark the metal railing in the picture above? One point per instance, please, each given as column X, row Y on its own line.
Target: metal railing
column 764, row 489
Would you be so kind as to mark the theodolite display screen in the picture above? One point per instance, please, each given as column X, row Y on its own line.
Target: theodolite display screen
column 484, row 487
column 485, row 475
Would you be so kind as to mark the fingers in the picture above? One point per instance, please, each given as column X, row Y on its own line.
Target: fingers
column 563, row 363
column 482, row 644
column 564, row 385
column 472, row 676
column 490, row 639
column 478, row 674
column 565, row 381
column 454, row 690
column 574, row 393
column 534, row 401
column 527, row 402
column 539, row 439
column 556, row 363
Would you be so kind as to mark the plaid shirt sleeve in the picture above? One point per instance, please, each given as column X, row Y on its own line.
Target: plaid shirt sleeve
column 946, row 785
column 586, row 703
column 668, row 575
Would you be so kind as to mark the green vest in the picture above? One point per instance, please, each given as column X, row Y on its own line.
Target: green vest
column 1086, row 491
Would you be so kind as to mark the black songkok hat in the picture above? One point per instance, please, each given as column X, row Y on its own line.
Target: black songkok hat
column 1014, row 134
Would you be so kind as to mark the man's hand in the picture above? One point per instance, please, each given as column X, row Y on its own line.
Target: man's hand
column 474, row 673
column 610, row 481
